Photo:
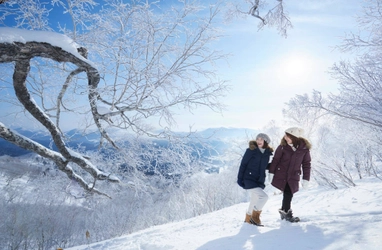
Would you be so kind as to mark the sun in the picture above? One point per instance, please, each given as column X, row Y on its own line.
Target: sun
column 295, row 68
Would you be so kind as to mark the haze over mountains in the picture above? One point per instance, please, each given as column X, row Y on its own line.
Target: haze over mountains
column 216, row 136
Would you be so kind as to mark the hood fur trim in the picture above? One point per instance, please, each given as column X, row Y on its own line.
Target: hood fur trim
column 305, row 142
column 252, row 144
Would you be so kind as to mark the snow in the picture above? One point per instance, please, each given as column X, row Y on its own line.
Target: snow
column 11, row 35
column 347, row 218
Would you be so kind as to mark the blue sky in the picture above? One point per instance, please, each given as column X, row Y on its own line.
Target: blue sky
column 266, row 70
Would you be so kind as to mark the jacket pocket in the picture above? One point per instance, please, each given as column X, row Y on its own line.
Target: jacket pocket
column 297, row 175
column 252, row 175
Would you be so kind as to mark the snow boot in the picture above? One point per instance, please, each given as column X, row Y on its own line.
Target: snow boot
column 255, row 218
column 282, row 214
column 289, row 216
column 247, row 218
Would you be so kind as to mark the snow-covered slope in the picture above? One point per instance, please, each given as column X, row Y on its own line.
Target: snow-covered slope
column 348, row 218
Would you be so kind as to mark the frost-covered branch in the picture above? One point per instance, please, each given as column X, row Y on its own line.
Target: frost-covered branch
column 342, row 106
column 154, row 66
column 274, row 17
column 63, row 91
column 21, row 54
column 370, row 23
column 62, row 163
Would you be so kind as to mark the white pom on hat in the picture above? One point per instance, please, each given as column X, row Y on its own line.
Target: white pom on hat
column 264, row 137
column 297, row 132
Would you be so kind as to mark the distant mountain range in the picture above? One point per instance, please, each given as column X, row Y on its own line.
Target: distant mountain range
column 90, row 141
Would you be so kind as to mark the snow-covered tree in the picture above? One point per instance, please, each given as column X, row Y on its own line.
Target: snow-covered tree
column 347, row 126
column 360, row 81
column 155, row 61
column 140, row 65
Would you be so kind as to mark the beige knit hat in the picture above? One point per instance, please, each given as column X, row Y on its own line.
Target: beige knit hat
column 297, row 132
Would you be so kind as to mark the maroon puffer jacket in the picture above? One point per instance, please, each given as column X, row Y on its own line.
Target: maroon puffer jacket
column 287, row 165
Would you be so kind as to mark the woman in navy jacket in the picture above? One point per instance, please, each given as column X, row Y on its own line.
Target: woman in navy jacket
column 251, row 176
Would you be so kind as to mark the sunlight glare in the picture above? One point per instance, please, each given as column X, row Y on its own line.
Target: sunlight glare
column 295, row 68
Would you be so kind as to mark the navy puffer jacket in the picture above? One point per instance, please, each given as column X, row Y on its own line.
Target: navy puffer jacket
column 252, row 168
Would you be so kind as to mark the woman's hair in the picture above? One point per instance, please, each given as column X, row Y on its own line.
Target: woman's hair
column 253, row 145
column 295, row 140
column 266, row 145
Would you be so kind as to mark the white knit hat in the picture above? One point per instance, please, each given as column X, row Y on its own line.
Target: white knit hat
column 297, row 132
column 264, row 137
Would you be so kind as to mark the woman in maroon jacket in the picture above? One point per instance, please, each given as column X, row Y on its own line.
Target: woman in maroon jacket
column 291, row 159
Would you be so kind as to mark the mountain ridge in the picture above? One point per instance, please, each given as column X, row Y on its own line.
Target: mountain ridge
column 90, row 141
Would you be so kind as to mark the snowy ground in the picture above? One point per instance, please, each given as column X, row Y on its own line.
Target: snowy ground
column 348, row 218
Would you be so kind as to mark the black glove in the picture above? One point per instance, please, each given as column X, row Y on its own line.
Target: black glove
column 240, row 183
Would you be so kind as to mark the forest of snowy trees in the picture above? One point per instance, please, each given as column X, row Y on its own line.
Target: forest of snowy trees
column 135, row 64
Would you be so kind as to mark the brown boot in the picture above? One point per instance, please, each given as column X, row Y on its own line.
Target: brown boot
column 247, row 218
column 255, row 218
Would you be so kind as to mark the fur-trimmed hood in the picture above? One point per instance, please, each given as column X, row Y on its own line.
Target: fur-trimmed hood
column 253, row 145
column 303, row 142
